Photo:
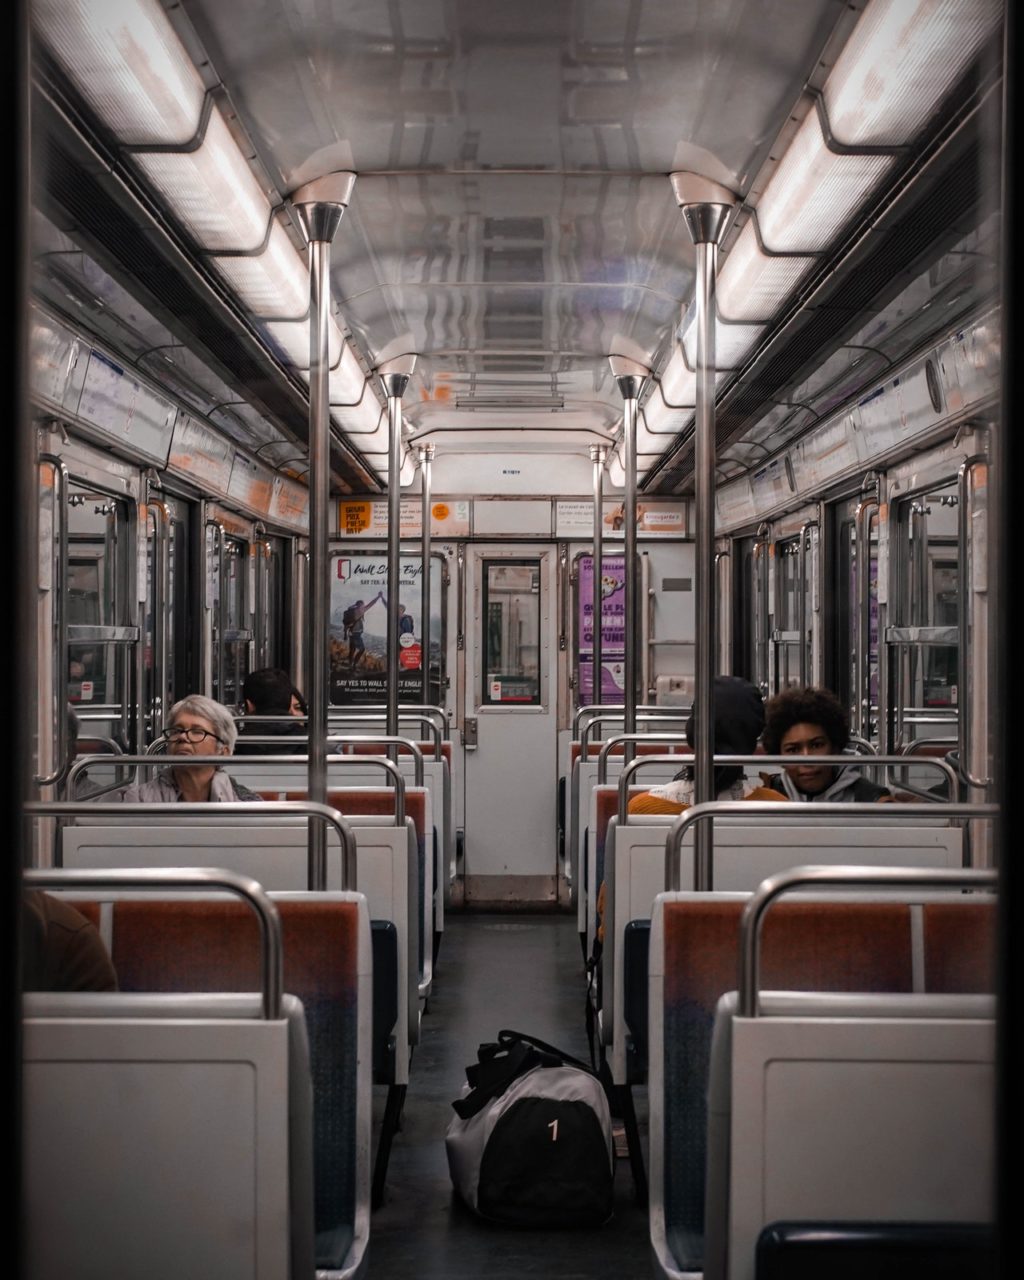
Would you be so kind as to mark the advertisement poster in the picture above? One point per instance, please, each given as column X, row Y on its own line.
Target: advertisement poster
column 369, row 519
column 613, row 629
column 359, row 625
column 575, row 519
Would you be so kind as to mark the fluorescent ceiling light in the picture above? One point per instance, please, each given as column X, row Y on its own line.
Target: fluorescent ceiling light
column 276, row 283
column 346, row 381
column 732, row 343
column 366, row 423
column 128, row 64
column 814, row 192
column 678, row 384
column 292, row 336
column 898, row 64
column 750, row 284
column 212, row 190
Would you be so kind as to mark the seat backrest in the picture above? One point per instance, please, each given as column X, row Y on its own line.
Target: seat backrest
column 166, row 1136
column 867, row 1109
column 745, row 853
column 212, row 945
column 275, row 853
column 808, row 944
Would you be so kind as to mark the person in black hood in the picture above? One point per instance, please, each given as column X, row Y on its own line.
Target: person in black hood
column 739, row 717
column 269, row 691
column 805, row 723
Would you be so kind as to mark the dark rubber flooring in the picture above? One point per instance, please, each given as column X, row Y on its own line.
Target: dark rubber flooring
column 519, row 971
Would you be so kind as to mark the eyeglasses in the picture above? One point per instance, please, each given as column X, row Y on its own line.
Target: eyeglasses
column 175, row 732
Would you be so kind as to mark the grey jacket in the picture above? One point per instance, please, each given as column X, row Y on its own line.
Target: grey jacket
column 164, row 790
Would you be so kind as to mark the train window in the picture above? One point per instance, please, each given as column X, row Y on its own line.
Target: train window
column 269, row 613
column 232, row 632
column 852, row 644
column 923, row 640
column 511, row 618
column 927, row 614
column 98, row 613
column 786, row 634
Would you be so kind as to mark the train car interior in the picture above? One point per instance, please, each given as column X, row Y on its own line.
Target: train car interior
column 449, row 439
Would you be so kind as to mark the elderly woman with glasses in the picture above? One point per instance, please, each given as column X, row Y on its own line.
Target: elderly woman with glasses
column 197, row 726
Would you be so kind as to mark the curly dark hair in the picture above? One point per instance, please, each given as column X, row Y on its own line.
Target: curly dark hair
column 805, row 706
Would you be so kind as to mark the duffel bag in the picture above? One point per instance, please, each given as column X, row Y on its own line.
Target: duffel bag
column 531, row 1143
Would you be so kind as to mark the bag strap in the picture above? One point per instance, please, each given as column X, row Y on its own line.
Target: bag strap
column 509, row 1038
column 493, row 1075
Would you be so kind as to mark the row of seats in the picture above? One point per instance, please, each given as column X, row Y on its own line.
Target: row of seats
column 392, row 872
column 188, row 1133
column 868, row 1107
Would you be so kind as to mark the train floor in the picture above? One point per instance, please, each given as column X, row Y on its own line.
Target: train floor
column 519, row 971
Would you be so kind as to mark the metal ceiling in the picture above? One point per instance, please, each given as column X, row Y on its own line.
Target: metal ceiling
column 512, row 221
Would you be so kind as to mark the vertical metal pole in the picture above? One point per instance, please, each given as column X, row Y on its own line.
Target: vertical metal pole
column 320, row 205
column 394, row 389
column 426, row 457
column 706, row 207
column 631, row 378
column 598, row 453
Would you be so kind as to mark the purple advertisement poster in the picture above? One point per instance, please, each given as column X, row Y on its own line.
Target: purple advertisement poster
column 612, row 611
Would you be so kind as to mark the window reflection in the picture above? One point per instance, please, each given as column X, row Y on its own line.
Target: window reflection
column 511, row 618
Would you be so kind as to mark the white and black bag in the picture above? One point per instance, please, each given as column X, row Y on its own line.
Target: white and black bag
column 531, row 1143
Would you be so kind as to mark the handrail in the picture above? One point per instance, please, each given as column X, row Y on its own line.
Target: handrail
column 642, row 713
column 151, row 758
column 423, row 718
column 838, row 761
column 249, row 890
column 386, row 739
column 749, row 1004
column 162, row 614
column 436, row 713
column 805, row 542
column 964, row 735
column 862, row 627
column 779, row 809
column 317, row 868
column 606, row 747
column 61, row 481
column 615, row 710
column 332, row 735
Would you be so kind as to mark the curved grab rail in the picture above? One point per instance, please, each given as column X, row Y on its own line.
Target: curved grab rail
column 406, row 710
column 425, row 719
column 387, row 739
column 616, row 713
column 606, row 747
column 249, row 890
column 221, row 813
column 781, row 809
column 839, row 761
column 381, row 762
column 749, row 1004
column 61, row 484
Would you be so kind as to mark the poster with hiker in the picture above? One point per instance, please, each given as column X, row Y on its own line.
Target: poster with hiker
column 359, row 624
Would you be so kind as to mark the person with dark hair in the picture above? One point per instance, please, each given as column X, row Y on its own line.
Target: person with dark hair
column 269, row 691
column 60, row 949
column 812, row 722
column 352, row 629
column 739, row 719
